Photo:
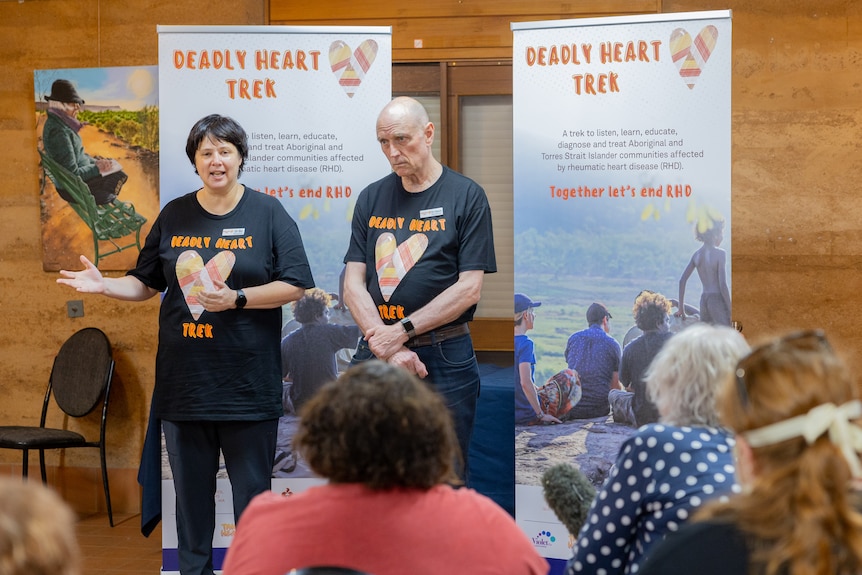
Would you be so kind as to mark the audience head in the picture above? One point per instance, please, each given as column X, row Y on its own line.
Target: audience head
column 312, row 306
column 786, row 389
column 792, row 404
column 650, row 310
column 37, row 531
column 380, row 426
column 685, row 377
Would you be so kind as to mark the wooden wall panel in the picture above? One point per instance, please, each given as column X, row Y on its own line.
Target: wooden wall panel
column 292, row 10
column 419, row 78
column 448, row 29
column 483, row 78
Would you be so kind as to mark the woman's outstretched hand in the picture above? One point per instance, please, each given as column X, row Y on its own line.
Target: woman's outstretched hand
column 88, row 280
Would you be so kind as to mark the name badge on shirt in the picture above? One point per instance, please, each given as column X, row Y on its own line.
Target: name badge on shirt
column 432, row 213
column 229, row 232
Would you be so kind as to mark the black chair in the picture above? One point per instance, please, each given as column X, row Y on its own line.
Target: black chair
column 326, row 570
column 80, row 377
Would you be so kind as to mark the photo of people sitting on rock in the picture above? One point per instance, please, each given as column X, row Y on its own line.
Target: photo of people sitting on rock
column 583, row 414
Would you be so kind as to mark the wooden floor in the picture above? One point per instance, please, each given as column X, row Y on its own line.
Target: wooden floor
column 121, row 550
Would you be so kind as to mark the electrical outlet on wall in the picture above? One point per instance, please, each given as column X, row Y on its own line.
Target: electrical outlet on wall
column 75, row 308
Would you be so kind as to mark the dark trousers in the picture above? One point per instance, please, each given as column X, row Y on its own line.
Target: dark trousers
column 105, row 189
column 193, row 451
column 454, row 372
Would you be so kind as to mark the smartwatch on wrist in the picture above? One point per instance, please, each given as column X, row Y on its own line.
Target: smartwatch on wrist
column 408, row 327
column 240, row 299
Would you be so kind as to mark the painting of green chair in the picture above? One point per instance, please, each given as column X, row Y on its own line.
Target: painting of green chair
column 109, row 223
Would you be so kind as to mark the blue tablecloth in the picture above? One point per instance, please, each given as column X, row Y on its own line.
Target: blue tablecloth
column 492, row 450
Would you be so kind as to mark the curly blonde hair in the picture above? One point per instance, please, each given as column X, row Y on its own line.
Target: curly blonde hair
column 37, row 531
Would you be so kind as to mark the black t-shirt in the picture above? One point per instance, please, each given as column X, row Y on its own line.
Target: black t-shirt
column 637, row 357
column 414, row 245
column 219, row 365
column 308, row 357
column 705, row 548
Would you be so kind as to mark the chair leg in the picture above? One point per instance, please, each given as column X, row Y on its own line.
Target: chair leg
column 95, row 249
column 42, row 466
column 105, row 485
column 25, row 463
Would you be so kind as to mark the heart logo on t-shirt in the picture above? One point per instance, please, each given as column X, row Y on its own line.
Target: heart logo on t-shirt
column 195, row 277
column 350, row 68
column 690, row 58
column 393, row 261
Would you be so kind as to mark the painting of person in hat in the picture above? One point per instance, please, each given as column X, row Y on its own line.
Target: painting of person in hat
column 104, row 177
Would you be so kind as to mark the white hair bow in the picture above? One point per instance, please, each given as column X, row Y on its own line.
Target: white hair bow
column 827, row 417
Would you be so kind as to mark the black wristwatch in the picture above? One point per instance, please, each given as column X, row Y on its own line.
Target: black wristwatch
column 408, row 327
column 240, row 299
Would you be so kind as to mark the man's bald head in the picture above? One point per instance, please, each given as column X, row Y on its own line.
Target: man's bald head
column 406, row 109
column 406, row 135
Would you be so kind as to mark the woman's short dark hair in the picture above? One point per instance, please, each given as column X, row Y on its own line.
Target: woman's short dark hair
column 380, row 426
column 220, row 128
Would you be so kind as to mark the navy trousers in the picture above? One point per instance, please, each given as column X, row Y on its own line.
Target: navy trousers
column 193, row 452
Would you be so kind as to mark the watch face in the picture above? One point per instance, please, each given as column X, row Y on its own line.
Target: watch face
column 408, row 327
column 240, row 298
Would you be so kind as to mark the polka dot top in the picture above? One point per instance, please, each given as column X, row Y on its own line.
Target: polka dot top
column 662, row 473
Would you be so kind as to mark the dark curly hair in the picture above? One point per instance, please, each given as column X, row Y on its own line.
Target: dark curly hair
column 650, row 309
column 311, row 306
column 380, row 426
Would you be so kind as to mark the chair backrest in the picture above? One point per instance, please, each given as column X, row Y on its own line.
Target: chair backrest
column 82, row 371
column 326, row 570
column 72, row 184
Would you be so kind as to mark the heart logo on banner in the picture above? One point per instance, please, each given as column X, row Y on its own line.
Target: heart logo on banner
column 393, row 261
column 350, row 68
column 691, row 57
column 195, row 277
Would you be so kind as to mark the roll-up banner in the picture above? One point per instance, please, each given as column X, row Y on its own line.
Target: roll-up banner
column 308, row 97
column 622, row 167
